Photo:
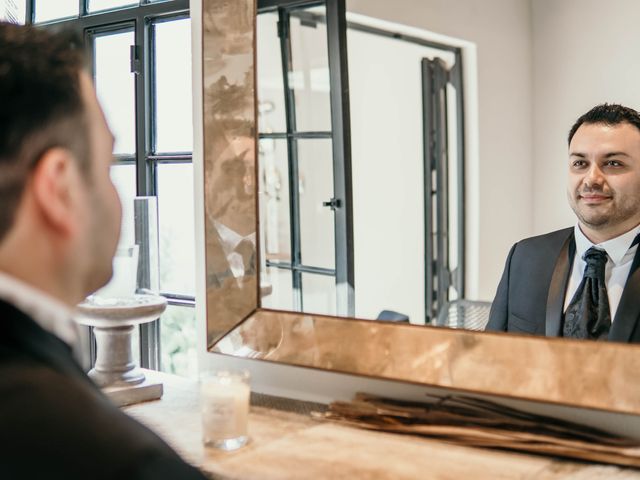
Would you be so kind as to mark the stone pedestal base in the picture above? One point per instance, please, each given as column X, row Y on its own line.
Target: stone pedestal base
column 131, row 394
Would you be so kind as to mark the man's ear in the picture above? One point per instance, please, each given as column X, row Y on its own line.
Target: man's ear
column 55, row 182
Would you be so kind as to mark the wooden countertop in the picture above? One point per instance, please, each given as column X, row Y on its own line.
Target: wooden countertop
column 287, row 445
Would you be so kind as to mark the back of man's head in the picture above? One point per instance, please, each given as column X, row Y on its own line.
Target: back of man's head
column 42, row 107
column 608, row 114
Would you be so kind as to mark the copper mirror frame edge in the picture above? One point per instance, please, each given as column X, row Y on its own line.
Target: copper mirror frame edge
column 590, row 375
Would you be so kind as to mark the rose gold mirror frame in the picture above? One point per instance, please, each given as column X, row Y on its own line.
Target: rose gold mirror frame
column 590, row 375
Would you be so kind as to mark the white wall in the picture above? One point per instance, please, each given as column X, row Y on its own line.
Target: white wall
column 585, row 52
column 499, row 205
column 388, row 178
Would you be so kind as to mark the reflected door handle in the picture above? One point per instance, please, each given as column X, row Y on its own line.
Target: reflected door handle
column 333, row 203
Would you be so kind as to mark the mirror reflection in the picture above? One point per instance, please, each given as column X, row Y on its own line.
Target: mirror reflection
column 457, row 118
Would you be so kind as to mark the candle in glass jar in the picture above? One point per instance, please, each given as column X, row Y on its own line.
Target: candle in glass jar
column 224, row 400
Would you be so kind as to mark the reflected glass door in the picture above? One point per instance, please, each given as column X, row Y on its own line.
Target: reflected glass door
column 304, row 167
column 443, row 222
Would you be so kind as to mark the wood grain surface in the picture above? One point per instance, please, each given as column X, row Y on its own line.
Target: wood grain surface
column 288, row 445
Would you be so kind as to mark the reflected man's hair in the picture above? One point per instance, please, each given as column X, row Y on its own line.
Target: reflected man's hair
column 41, row 106
column 607, row 114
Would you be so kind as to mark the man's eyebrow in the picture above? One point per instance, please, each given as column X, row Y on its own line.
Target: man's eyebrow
column 607, row 155
column 617, row 154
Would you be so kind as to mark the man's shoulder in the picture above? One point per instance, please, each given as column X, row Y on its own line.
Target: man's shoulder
column 67, row 424
column 547, row 240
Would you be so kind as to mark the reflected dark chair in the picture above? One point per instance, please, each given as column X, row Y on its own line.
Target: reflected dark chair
column 467, row 314
column 391, row 316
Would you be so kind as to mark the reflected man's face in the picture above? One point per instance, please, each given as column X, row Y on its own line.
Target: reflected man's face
column 604, row 178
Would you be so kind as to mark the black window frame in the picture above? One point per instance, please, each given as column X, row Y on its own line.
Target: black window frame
column 141, row 18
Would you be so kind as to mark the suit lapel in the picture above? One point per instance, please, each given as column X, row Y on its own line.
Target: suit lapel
column 18, row 331
column 629, row 306
column 558, row 287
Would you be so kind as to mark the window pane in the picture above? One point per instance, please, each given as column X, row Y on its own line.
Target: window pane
column 124, row 178
column 115, row 85
column 309, row 77
column 271, row 108
column 176, row 227
column 315, row 169
column 274, row 200
column 178, row 341
column 95, row 5
column 13, row 11
column 46, row 10
column 174, row 126
column 276, row 289
column 319, row 294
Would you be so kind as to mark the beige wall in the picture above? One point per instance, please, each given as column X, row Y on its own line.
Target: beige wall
column 585, row 52
column 501, row 182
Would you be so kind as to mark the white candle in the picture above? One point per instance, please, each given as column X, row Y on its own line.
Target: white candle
column 224, row 400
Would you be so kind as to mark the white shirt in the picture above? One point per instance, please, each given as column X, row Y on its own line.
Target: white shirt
column 620, row 256
column 51, row 314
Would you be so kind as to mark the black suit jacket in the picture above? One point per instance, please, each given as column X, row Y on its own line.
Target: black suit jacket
column 55, row 423
column 531, row 293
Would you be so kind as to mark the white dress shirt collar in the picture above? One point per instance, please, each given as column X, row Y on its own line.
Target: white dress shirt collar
column 48, row 312
column 616, row 248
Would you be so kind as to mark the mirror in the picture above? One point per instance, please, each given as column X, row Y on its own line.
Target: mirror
column 540, row 369
column 521, row 84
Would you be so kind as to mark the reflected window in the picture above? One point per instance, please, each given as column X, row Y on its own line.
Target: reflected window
column 362, row 203
column 306, row 225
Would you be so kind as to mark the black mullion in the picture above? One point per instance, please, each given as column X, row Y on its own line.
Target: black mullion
column 83, row 7
column 161, row 159
column 29, row 12
column 292, row 156
column 180, row 303
column 456, row 79
column 342, row 173
column 272, row 5
column 428, row 161
column 442, row 184
column 297, row 135
column 145, row 171
column 144, row 176
column 153, row 99
column 302, row 268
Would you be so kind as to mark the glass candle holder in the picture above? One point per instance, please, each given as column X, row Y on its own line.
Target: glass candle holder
column 224, row 400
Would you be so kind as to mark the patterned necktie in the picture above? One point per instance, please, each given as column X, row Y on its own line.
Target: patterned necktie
column 588, row 315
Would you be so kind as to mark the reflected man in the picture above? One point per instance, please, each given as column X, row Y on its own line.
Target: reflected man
column 583, row 282
column 59, row 226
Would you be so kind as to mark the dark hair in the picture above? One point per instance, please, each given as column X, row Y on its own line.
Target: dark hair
column 41, row 106
column 608, row 114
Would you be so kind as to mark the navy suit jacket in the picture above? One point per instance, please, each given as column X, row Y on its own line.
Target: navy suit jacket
column 55, row 423
column 531, row 293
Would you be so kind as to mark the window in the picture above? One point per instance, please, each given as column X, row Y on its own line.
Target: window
column 142, row 71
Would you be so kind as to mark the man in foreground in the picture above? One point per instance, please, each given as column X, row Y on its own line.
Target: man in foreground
column 59, row 226
column 583, row 282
